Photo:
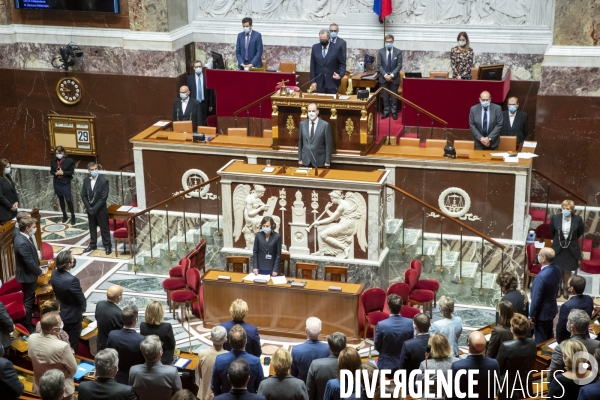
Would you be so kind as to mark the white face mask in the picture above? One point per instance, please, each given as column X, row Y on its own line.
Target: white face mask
column 246, row 29
column 485, row 103
column 462, row 43
column 312, row 115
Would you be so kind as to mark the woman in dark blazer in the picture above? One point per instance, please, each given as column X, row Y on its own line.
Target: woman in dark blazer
column 62, row 168
column 566, row 228
column 267, row 249
column 501, row 332
column 9, row 199
column 508, row 283
column 154, row 325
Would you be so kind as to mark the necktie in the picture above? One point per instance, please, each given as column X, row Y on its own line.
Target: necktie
column 31, row 240
column 200, row 91
column 389, row 61
column 324, row 51
column 485, row 122
column 247, row 42
column 312, row 130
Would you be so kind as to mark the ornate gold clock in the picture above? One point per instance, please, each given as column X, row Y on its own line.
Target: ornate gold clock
column 69, row 90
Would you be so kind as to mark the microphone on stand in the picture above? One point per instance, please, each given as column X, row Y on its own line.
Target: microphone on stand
column 187, row 308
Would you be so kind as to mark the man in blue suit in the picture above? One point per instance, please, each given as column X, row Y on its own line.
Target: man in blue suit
column 591, row 391
column 67, row 290
column 304, row 354
column 27, row 266
column 391, row 334
column 239, row 376
column 543, row 306
column 249, row 46
column 127, row 342
column 196, row 82
column 238, row 311
column 577, row 301
column 413, row 350
column 220, row 384
column 327, row 64
column 484, row 370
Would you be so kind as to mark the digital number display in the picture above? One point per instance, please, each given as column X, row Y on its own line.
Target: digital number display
column 106, row 6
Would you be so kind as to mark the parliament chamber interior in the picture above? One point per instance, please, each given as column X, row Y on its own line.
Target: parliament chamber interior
column 315, row 172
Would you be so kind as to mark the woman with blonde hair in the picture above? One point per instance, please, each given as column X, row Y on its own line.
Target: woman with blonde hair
column 154, row 325
column 450, row 326
column 441, row 359
column 566, row 228
column 567, row 384
column 349, row 359
column 282, row 385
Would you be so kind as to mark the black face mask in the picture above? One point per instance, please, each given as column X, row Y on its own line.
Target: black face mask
column 324, row 43
column 74, row 263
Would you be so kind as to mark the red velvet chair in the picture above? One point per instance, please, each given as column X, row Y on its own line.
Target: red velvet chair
column 193, row 293
column 419, row 297
column 211, row 121
column 14, row 305
column 538, row 215
column 125, row 235
column 176, row 283
column 373, row 302
column 592, row 266
column 543, row 231
column 47, row 251
column 426, row 284
column 532, row 268
column 401, row 289
column 10, row 286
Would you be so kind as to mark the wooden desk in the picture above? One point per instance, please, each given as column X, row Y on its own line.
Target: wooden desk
column 117, row 215
column 359, row 83
column 44, row 289
column 282, row 310
column 254, row 142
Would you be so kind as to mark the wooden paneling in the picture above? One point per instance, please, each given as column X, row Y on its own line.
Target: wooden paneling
column 7, row 251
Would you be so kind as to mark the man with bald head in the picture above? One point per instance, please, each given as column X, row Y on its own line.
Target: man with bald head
column 108, row 315
column 543, row 308
column 485, row 120
column 186, row 108
column 514, row 121
column 484, row 369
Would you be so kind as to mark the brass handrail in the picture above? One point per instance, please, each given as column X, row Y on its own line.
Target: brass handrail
column 560, row 186
column 254, row 103
column 437, row 210
column 413, row 105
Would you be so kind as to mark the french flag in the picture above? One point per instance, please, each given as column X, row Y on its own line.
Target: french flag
column 382, row 8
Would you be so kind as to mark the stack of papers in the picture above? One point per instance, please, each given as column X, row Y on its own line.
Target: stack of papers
column 124, row 208
column 161, row 123
column 529, row 144
column 279, row 280
column 182, row 363
column 252, row 277
column 91, row 326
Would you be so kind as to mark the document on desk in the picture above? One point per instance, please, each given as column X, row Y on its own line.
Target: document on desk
column 135, row 210
column 553, row 345
column 252, row 277
column 161, row 123
column 526, row 155
column 511, row 159
column 124, row 208
column 91, row 326
column 533, row 145
column 279, row 280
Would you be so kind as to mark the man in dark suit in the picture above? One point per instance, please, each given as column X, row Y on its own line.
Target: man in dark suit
column 485, row 120
column 514, row 123
column 543, row 306
column 391, row 334
column 413, row 350
column 483, row 368
column 324, row 369
column 94, row 193
column 239, row 310
column 20, row 216
column 577, row 301
column 389, row 64
column 127, row 344
column 153, row 380
column 304, row 354
column 27, row 266
column 578, row 322
column 6, row 327
column 314, row 140
column 10, row 385
column 67, row 290
column 592, row 390
column 239, row 376
column 185, row 108
column 108, row 315
column 220, row 384
column 334, row 31
column 196, row 82
column 105, row 387
column 327, row 65
column 249, row 46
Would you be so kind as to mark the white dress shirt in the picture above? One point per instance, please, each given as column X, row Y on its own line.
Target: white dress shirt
column 511, row 117
column 310, row 125
column 184, row 104
column 566, row 226
column 93, row 182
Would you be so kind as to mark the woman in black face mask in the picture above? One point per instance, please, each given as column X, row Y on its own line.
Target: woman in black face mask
column 9, row 199
column 62, row 168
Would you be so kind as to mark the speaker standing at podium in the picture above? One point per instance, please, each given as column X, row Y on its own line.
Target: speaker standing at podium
column 485, row 120
column 314, row 140
column 327, row 64
column 197, row 84
column 186, row 109
column 267, row 249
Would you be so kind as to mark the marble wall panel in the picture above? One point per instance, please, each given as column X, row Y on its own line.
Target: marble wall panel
column 567, row 131
column 72, row 18
column 570, row 81
column 36, row 190
column 522, row 66
column 576, row 23
column 5, row 12
column 148, row 15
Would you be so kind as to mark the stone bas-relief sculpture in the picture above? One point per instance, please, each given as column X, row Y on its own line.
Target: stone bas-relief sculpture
column 451, row 12
column 335, row 233
column 249, row 210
